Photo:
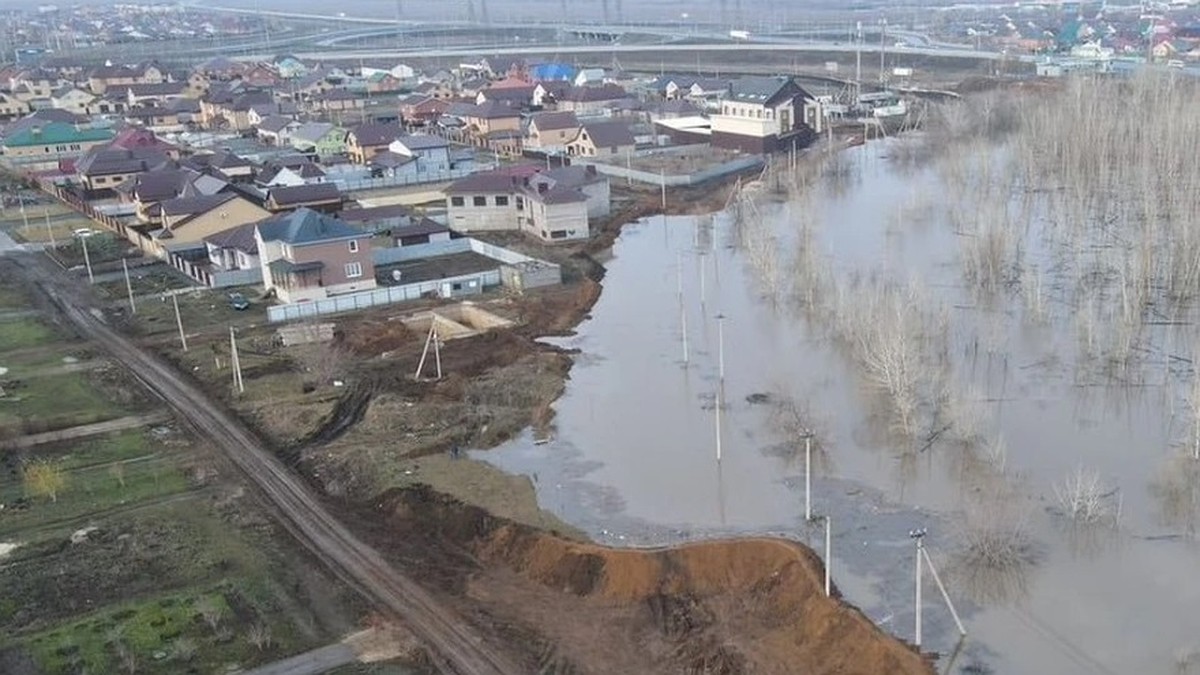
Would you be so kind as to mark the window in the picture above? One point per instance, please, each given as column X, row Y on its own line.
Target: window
column 520, row 203
column 353, row 246
column 456, row 201
column 501, row 200
column 353, row 270
column 558, row 234
column 479, row 201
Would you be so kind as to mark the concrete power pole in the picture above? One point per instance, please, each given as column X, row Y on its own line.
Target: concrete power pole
column 471, row 11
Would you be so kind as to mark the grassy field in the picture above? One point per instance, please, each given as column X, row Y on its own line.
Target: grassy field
column 146, row 556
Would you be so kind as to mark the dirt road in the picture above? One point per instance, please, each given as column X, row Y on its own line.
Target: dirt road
column 457, row 648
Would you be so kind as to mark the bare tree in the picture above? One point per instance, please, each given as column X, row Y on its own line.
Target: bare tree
column 259, row 635
column 211, row 611
column 1085, row 499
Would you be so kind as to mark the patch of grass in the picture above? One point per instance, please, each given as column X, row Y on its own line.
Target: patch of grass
column 146, row 281
column 61, row 229
column 91, row 489
column 25, row 332
column 53, row 402
column 203, row 310
column 12, row 297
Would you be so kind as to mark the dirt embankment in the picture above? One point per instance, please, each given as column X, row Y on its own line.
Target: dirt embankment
column 726, row 607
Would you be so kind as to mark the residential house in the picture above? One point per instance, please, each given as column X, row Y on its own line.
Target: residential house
column 71, row 98
column 277, row 129
column 262, row 111
column 133, row 138
column 290, row 172
column 159, row 120
column 335, row 101
column 367, row 140
column 437, row 89
column 320, row 138
column 306, row 255
column 405, row 225
column 237, row 112
column 418, row 110
column 189, row 220
column 766, row 114
column 590, row 100
column 314, row 83
column 259, row 75
column 235, row 248
column 324, row 197
column 514, row 97
column 488, row 118
column 549, row 132
column 146, row 191
column 589, row 76
column 383, row 82
column 35, row 83
column 41, row 146
column 104, row 167
column 593, row 184
column 547, row 92
column 11, row 107
column 289, row 67
column 100, row 79
column 224, row 164
column 221, row 68
column 432, row 153
column 602, row 139
column 506, row 201
column 156, row 93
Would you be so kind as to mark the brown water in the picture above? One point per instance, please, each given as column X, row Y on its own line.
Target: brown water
column 634, row 457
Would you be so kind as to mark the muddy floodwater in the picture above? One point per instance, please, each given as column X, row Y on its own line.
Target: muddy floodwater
column 634, row 456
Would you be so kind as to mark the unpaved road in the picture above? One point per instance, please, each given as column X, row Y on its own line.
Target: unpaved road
column 456, row 647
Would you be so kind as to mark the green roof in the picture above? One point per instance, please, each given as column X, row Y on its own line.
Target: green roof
column 56, row 133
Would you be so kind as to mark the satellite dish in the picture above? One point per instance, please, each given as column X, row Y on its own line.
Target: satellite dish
column 396, row 276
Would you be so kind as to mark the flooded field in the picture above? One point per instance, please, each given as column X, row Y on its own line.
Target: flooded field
column 997, row 384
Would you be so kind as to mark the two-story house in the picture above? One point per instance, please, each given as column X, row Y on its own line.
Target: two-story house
column 510, row 201
column 549, row 132
column 100, row 79
column 71, row 98
column 367, row 140
column 601, row 139
column 322, row 139
column 432, row 153
column 306, row 255
column 591, row 100
column 41, row 146
column 766, row 114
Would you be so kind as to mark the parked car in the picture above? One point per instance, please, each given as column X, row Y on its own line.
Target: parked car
column 238, row 301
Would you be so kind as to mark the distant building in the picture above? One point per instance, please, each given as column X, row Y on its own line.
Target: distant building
column 501, row 200
column 766, row 114
column 601, row 139
column 41, row 146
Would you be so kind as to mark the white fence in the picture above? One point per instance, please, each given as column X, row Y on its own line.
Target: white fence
column 380, row 296
column 388, row 256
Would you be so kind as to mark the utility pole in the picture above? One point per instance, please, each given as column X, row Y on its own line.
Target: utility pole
column 882, row 48
column 858, row 37
column 179, row 322
column 721, row 350
column 808, row 476
column 87, row 259
column 828, row 554
column 682, row 307
column 662, row 181
column 50, row 230
column 128, row 286
column 236, row 363
column 923, row 556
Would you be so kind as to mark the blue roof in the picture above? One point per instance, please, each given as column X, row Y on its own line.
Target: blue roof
column 552, row 71
column 305, row 226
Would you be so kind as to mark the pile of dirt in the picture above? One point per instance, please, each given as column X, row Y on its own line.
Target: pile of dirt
column 728, row 607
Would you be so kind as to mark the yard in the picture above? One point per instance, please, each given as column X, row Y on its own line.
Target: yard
column 137, row 550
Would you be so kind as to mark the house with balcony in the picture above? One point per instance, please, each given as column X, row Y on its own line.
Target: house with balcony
column 766, row 114
column 306, row 255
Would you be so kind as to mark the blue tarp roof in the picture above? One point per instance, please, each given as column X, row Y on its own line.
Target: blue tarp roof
column 552, row 71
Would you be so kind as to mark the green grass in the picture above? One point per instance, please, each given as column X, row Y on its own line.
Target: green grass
column 25, row 332
column 12, row 298
column 88, row 490
column 54, row 402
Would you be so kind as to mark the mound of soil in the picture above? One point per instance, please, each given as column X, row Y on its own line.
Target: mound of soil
column 725, row 607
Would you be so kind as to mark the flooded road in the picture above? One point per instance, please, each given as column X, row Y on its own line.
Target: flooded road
column 634, row 456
